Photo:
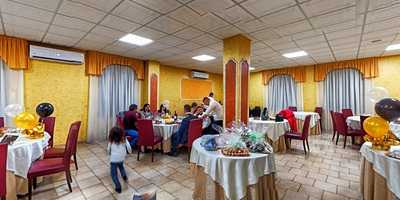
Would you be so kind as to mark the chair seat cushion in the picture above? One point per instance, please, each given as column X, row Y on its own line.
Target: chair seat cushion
column 294, row 135
column 54, row 153
column 46, row 166
column 353, row 132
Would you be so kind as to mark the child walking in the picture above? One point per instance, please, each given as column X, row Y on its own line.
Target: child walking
column 117, row 151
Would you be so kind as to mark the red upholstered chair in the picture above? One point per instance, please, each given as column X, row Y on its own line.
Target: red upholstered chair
column 60, row 152
column 49, row 123
column 333, row 125
column 301, row 136
column 146, row 136
column 319, row 110
column 292, row 108
column 3, row 170
column 347, row 112
column 49, row 166
column 342, row 129
column 194, row 132
column 1, row 122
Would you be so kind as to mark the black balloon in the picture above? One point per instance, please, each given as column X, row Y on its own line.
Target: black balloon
column 44, row 109
column 388, row 108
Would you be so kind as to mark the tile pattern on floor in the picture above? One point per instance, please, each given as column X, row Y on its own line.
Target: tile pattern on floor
column 329, row 172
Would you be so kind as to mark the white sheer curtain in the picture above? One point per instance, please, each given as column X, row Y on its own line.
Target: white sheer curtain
column 282, row 92
column 110, row 94
column 343, row 88
column 11, row 89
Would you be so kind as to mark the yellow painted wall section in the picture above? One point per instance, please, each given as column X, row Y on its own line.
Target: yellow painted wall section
column 170, row 86
column 389, row 75
column 309, row 90
column 63, row 85
column 256, row 90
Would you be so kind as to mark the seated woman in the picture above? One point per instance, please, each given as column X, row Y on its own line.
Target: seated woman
column 146, row 112
column 130, row 119
column 181, row 136
column 163, row 110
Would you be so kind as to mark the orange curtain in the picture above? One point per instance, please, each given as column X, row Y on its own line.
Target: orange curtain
column 298, row 73
column 97, row 61
column 14, row 52
column 367, row 66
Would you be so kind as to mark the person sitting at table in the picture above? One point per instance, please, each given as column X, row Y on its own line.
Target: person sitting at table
column 146, row 112
column 194, row 106
column 264, row 114
column 198, row 111
column 181, row 136
column 163, row 110
column 130, row 119
column 215, row 113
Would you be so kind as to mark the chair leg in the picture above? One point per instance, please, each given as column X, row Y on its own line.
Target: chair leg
column 352, row 140
column 29, row 189
column 308, row 146
column 75, row 161
column 337, row 138
column 152, row 153
column 304, row 147
column 34, row 183
column 138, row 153
column 189, row 151
column 68, row 177
column 345, row 139
column 333, row 136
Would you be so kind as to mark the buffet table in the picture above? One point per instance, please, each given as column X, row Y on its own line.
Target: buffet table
column 274, row 132
column 315, row 127
column 379, row 176
column 20, row 156
column 222, row 177
column 165, row 131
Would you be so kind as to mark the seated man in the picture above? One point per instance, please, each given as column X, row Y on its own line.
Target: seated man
column 130, row 118
column 181, row 136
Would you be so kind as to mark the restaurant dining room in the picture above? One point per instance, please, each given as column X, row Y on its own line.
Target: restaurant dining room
column 200, row 99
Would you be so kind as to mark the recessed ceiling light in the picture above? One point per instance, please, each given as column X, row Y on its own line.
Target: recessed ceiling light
column 295, row 54
column 135, row 39
column 203, row 57
column 252, row 68
column 393, row 47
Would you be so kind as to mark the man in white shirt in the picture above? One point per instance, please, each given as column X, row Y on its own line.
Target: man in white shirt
column 215, row 112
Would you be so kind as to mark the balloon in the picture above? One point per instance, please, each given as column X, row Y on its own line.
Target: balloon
column 375, row 126
column 44, row 109
column 377, row 93
column 388, row 108
column 25, row 120
column 13, row 110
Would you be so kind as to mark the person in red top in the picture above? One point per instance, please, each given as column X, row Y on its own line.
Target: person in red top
column 288, row 115
column 130, row 119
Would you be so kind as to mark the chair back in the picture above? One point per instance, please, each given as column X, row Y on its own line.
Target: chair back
column 292, row 108
column 49, row 123
column 145, row 131
column 120, row 121
column 347, row 112
column 341, row 126
column 306, row 126
column 3, row 169
column 319, row 110
column 362, row 119
column 333, row 120
column 72, row 142
column 1, row 122
column 195, row 130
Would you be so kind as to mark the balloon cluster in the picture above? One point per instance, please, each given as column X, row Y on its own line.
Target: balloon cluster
column 377, row 127
column 29, row 122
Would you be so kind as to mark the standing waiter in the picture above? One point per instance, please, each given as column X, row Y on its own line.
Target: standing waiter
column 215, row 113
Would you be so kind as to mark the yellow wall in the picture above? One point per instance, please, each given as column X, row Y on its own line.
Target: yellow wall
column 389, row 75
column 309, row 90
column 256, row 90
column 170, row 83
column 63, row 85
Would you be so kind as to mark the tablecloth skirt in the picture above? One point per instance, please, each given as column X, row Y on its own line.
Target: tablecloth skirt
column 316, row 130
column 279, row 146
column 166, row 145
column 15, row 185
column 207, row 189
column 373, row 185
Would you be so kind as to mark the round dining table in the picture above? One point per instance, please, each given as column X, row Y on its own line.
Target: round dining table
column 274, row 132
column 165, row 131
column 226, row 177
column 315, row 127
column 21, row 154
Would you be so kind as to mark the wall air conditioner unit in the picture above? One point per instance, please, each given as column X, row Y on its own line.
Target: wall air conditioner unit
column 200, row 75
column 56, row 55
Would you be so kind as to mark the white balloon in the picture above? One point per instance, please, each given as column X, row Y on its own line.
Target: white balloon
column 13, row 110
column 377, row 93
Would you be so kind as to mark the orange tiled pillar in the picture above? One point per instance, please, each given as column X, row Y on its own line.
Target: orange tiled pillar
column 151, row 90
column 236, row 73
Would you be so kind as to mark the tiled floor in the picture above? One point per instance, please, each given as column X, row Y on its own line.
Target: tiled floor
column 329, row 172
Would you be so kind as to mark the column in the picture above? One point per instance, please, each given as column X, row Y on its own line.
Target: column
column 236, row 72
column 151, row 86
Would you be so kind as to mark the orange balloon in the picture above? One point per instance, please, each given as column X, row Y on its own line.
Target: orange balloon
column 26, row 120
column 376, row 127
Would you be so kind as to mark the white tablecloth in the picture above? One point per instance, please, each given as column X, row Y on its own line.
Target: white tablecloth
column 354, row 122
column 234, row 174
column 24, row 152
column 302, row 116
column 386, row 166
column 395, row 128
column 165, row 130
column 272, row 129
